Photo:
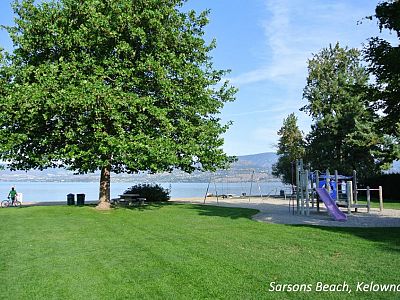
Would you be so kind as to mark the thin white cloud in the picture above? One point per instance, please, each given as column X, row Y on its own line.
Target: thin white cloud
column 278, row 60
column 294, row 29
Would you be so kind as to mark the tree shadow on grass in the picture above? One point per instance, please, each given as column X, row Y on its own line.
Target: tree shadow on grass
column 146, row 206
column 58, row 203
column 93, row 204
column 386, row 238
column 202, row 210
column 221, row 211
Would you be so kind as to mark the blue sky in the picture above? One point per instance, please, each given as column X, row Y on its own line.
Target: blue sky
column 266, row 44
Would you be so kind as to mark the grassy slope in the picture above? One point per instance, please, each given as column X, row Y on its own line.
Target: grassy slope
column 182, row 252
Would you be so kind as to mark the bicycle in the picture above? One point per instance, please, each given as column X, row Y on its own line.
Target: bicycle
column 9, row 202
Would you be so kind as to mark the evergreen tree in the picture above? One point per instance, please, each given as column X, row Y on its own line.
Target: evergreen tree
column 343, row 136
column 290, row 148
column 116, row 86
column 384, row 64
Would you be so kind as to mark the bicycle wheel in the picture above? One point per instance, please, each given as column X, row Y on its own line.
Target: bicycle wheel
column 5, row 203
column 17, row 203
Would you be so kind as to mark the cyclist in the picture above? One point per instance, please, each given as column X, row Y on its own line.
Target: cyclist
column 12, row 195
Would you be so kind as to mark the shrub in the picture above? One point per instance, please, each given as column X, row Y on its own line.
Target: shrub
column 152, row 192
column 389, row 183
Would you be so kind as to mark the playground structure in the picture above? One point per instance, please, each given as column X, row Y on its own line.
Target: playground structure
column 333, row 190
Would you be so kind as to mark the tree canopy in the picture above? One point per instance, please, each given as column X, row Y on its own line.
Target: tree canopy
column 344, row 135
column 384, row 63
column 356, row 117
column 116, row 86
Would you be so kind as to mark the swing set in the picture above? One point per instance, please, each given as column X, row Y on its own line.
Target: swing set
column 250, row 187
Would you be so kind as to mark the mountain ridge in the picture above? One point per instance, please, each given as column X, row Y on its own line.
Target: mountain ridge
column 257, row 166
column 260, row 163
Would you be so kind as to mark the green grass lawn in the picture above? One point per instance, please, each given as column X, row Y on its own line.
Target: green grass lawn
column 184, row 252
column 387, row 203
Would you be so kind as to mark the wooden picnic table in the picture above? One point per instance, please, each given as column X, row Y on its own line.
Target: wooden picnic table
column 129, row 196
column 131, row 199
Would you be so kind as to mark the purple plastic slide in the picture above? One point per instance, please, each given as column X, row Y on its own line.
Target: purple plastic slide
column 331, row 206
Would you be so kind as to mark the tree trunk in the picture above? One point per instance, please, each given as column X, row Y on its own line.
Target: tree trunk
column 104, row 193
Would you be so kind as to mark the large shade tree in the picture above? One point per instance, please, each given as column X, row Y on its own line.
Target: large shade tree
column 384, row 63
column 111, row 85
column 344, row 134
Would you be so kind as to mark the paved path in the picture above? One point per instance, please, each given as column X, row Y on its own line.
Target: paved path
column 273, row 210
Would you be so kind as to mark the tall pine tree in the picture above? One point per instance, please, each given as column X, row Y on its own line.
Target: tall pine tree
column 290, row 148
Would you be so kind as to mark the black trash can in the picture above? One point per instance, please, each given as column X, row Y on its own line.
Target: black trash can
column 80, row 199
column 70, row 199
column 282, row 193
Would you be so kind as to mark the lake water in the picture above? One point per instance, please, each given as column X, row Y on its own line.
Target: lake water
column 57, row 191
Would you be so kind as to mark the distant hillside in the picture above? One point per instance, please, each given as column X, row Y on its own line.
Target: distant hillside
column 242, row 170
column 261, row 160
column 266, row 160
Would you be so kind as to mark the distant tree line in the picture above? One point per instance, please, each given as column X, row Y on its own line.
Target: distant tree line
column 355, row 107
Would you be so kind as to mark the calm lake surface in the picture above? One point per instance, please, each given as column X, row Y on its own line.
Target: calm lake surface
column 57, row 191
